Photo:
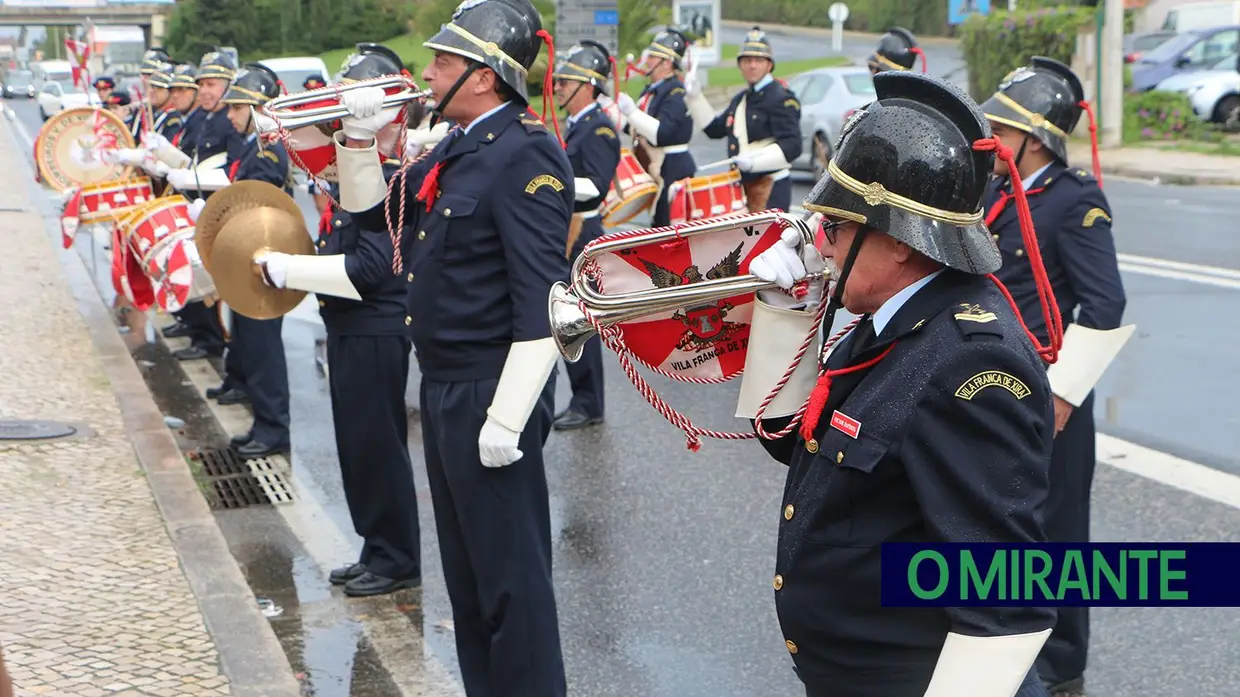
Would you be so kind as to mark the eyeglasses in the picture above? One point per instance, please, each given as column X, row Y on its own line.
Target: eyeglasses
column 829, row 230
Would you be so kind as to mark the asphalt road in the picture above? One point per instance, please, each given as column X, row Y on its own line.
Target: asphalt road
column 664, row 557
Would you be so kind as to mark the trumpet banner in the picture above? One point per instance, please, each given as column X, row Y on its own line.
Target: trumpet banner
column 706, row 342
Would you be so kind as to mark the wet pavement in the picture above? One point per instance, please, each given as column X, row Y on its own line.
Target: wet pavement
column 664, row 557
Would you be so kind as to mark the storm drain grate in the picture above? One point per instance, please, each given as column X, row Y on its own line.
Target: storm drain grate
column 238, row 483
column 34, row 430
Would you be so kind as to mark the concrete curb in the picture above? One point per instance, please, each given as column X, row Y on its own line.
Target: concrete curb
column 1164, row 177
column 250, row 654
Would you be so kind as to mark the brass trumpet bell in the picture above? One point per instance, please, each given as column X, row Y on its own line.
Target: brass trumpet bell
column 291, row 112
column 570, row 308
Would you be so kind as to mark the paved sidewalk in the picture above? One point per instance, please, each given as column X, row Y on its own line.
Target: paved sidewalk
column 1167, row 166
column 94, row 599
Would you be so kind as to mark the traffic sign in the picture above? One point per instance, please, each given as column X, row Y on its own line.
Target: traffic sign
column 837, row 12
column 960, row 10
column 597, row 20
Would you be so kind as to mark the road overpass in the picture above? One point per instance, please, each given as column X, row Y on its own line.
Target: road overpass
column 151, row 16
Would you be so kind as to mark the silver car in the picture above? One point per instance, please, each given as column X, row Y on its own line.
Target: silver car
column 1214, row 93
column 828, row 96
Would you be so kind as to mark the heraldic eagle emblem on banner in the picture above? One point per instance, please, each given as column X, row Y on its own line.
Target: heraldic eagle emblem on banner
column 704, row 341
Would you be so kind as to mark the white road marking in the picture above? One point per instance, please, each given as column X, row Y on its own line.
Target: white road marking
column 1180, row 275
column 1172, row 471
column 1199, row 269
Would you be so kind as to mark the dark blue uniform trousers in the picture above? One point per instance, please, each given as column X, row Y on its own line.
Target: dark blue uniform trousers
column 205, row 330
column 586, row 375
column 261, row 352
column 1031, row 687
column 1067, row 520
column 494, row 529
column 367, row 376
column 675, row 167
column 781, row 195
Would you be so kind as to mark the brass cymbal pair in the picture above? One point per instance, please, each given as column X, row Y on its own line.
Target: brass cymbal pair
column 236, row 224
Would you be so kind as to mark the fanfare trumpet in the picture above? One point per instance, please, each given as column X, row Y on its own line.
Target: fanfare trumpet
column 322, row 105
column 698, row 300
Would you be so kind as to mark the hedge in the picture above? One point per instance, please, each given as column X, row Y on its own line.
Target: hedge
column 996, row 45
column 1156, row 115
column 923, row 17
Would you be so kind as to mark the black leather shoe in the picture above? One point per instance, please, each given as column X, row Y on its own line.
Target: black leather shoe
column 573, row 419
column 233, row 396
column 215, row 392
column 341, row 576
column 1071, row 688
column 257, row 449
column 369, row 584
column 176, row 330
column 190, row 353
column 238, row 441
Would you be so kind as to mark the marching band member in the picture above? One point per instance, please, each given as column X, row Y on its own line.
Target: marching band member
column 168, row 123
column 154, row 58
column 916, row 443
column 594, row 151
column 368, row 359
column 313, row 82
column 897, row 50
column 491, row 206
column 184, row 91
column 1033, row 112
column 104, row 87
column 260, row 367
column 762, row 125
column 661, row 125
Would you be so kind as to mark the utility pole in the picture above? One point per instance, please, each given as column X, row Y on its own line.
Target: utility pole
column 1011, row 5
column 1112, row 74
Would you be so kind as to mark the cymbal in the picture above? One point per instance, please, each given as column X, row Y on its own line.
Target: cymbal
column 69, row 143
column 238, row 279
column 232, row 199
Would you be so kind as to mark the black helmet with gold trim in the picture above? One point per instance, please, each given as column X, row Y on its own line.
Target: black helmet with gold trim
column 669, row 44
column 502, row 35
column 185, row 75
column 370, row 61
column 756, row 45
column 152, row 59
column 216, row 65
column 906, row 166
column 588, row 62
column 162, row 75
column 255, row 84
column 897, row 50
column 1043, row 100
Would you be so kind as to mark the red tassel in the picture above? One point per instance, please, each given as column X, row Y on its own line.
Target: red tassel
column 1093, row 141
column 1050, row 308
column 325, row 221
column 549, row 84
column 615, row 75
column 822, row 391
column 925, row 65
column 283, row 89
column 430, row 187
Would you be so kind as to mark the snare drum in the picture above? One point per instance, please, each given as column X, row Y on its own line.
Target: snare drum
column 105, row 201
column 149, row 235
column 632, row 191
column 184, row 278
column 699, row 198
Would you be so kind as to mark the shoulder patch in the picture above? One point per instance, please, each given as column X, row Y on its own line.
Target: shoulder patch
column 792, row 103
column 532, row 123
column 677, row 90
column 992, row 378
column 543, row 180
column 1093, row 215
column 263, row 152
column 976, row 322
column 605, row 132
column 1081, row 176
column 974, row 313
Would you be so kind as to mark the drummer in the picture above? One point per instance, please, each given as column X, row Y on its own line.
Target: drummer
column 661, row 125
column 594, row 151
column 256, row 344
column 897, row 50
column 762, row 125
column 313, row 82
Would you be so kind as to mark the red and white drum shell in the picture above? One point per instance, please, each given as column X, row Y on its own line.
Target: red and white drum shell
column 632, row 191
column 185, row 280
column 702, row 198
column 105, row 201
column 310, row 148
column 148, row 235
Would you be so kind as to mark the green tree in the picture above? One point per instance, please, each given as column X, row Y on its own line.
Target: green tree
column 637, row 18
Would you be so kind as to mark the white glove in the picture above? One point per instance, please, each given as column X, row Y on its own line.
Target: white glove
column 626, row 104
column 497, row 445
column 156, row 168
column 692, row 87
column 274, row 266
column 154, row 141
column 109, row 156
column 184, row 179
column 195, row 209
column 784, row 264
column 744, row 162
column 68, row 194
column 367, row 113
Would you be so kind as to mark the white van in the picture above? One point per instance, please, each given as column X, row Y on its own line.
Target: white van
column 294, row 71
column 1202, row 15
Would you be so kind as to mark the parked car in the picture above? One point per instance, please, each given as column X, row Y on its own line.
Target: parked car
column 19, row 83
column 828, row 97
column 1215, row 93
column 1137, row 45
column 294, row 71
column 56, row 95
column 1184, row 53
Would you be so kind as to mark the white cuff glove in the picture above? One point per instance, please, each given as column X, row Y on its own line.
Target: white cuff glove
column 156, row 168
column 626, row 104
column 605, row 101
column 497, row 445
column 154, row 141
column 109, row 156
column 744, row 162
column 785, row 264
column 195, row 209
column 274, row 266
column 184, row 178
column 367, row 113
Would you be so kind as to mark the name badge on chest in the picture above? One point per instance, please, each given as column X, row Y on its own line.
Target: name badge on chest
column 846, row 424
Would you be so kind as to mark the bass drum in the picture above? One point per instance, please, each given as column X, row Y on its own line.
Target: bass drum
column 69, row 144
